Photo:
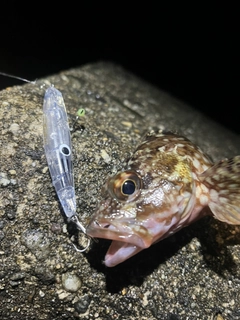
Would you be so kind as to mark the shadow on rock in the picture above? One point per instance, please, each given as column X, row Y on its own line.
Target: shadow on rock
column 215, row 242
column 134, row 270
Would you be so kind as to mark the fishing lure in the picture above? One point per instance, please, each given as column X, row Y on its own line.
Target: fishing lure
column 166, row 186
column 58, row 151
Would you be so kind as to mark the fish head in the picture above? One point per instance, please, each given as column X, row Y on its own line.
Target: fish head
column 145, row 203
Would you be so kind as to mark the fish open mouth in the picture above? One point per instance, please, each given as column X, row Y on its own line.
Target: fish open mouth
column 125, row 244
column 120, row 232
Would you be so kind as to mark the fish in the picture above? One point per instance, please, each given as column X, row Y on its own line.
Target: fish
column 168, row 183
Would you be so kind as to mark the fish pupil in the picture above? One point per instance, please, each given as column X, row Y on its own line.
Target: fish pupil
column 128, row 187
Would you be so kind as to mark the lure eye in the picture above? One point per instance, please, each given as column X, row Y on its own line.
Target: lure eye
column 125, row 186
column 65, row 150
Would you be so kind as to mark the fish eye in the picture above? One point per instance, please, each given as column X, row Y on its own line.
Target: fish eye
column 125, row 186
column 128, row 187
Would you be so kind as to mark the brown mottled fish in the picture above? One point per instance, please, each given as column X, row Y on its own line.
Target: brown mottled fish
column 168, row 182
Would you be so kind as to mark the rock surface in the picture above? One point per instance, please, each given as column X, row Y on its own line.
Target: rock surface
column 194, row 274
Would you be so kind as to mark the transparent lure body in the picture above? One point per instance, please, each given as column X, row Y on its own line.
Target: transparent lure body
column 58, row 149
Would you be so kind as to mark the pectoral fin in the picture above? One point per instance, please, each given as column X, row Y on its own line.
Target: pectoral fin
column 223, row 181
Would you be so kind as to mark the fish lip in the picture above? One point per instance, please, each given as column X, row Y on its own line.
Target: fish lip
column 109, row 231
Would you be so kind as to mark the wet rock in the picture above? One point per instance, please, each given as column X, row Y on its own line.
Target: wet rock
column 44, row 275
column 18, row 276
column 2, row 235
column 56, row 228
column 71, row 282
column 14, row 128
column 4, row 181
column 14, row 283
column 37, row 242
column 82, row 304
column 11, row 215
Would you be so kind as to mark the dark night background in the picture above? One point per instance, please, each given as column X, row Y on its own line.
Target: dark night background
column 191, row 52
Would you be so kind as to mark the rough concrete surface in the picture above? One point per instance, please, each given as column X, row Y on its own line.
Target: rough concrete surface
column 194, row 274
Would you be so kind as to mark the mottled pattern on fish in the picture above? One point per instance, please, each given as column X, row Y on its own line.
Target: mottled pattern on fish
column 167, row 183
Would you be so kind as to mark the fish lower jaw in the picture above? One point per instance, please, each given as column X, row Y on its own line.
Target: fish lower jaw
column 119, row 251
